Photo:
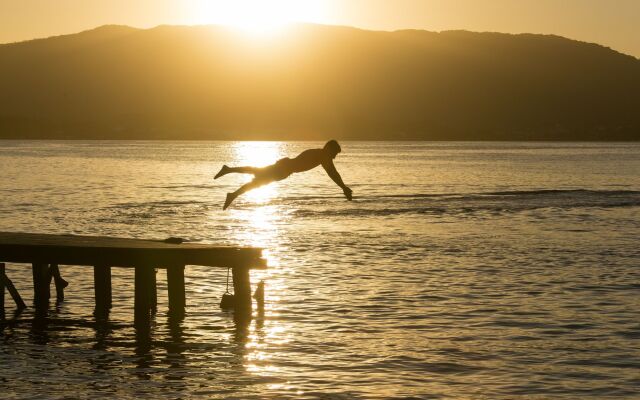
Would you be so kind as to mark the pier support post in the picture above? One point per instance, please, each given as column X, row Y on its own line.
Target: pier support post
column 143, row 281
column 102, row 288
column 41, row 281
column 153, row 291
column 1, row 291
column 242, row 291
column 6, row 283
column 175, row 285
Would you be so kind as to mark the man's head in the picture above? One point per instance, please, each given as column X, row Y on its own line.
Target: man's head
column 333, row 148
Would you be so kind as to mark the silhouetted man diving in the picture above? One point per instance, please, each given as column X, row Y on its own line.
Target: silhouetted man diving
column 305, row 161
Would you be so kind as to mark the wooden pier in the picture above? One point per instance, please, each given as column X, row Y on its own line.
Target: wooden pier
column 46, row 253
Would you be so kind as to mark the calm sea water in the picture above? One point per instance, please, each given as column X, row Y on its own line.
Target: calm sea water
column 462, row 270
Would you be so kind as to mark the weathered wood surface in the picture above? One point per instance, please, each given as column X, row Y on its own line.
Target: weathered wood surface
column 94, row 250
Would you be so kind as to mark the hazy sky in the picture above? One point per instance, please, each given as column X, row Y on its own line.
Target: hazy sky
column 613, row 23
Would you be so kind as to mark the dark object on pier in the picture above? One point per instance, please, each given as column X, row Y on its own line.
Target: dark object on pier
column 46, row 252
column 228, row 301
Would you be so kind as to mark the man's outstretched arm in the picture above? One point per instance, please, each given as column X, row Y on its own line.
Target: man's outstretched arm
column 335, row 176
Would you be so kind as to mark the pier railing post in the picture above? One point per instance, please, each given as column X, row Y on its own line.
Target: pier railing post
column 175, row 285
column 242, row 291
column 102, row 288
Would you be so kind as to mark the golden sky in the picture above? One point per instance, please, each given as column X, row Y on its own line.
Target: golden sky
column 613, row 23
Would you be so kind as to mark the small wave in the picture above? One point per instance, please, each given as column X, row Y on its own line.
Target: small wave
column 161, row 203
column 209, row 186
column 487, row 202
column 436, row 204
column 513, row 193
column 563, row 192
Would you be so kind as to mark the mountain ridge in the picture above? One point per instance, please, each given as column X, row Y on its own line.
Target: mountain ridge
column 208, row 82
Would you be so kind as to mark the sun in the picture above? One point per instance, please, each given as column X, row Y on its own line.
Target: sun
column 258, row 16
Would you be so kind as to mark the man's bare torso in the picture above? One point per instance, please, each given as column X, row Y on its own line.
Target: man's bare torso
column 309, row 159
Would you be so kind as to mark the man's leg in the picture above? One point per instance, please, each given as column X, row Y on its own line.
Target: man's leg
column 239, row 170
column 256, row 183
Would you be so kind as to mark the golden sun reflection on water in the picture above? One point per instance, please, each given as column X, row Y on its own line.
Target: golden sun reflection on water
column 258, row 154
column 262, row 227
column 261, row 222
